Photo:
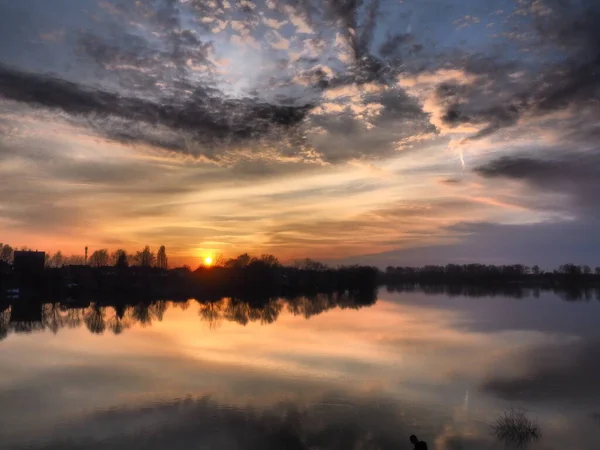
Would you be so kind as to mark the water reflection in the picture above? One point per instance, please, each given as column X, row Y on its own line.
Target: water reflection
column 565, row 292
column 30, row 316
column 231, row 374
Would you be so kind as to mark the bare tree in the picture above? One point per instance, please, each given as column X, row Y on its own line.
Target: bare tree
column 239, row 262
column 270, row 260
column 57, row 260
column 119, row 258
column 310, row 264
column 114, row 256
column 6, row 253
column 99, row 258
column 161, row 258
column 76, row 260
column 218, row 260
column 145, row 258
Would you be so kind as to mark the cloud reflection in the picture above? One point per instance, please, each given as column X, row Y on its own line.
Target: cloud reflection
column 401, row 366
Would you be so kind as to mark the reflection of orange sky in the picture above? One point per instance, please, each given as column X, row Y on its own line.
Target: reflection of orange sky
column 398, row 349
column 388, row 347
column 385, row 345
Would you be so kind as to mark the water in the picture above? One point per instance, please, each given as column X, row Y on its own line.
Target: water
column 228, row 376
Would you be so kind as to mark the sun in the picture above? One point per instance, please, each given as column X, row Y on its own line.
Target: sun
column 208, row 261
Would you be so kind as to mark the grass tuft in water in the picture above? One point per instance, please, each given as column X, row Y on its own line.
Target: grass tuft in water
column 514, row 427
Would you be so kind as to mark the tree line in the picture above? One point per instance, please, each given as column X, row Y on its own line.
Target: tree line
column 147, row 258
column 484, row 270
column 98, row 258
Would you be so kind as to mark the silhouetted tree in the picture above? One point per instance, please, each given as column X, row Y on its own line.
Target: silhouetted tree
column 119, row 259
column 586, row 270
column 570, row 269
column 76, row 260
column 269, row 260
column 99, row 258
column 161, row 258
column 116, row 255
column 145, row 258
column 535, row 270
column 57, row 260
column 6, row 253
column 597, row 270
column 239, row 262
column 218, row 260
column 310, row 264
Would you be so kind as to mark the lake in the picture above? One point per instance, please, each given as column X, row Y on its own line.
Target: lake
column 302, row 374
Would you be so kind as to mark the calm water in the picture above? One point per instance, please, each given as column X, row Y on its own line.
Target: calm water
column 227, row 376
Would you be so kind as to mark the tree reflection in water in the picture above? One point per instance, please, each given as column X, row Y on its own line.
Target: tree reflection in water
column 119, row 316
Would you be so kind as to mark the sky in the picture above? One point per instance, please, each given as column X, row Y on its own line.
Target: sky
column 381, row 132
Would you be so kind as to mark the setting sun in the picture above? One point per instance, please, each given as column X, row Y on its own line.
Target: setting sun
column 208, row 261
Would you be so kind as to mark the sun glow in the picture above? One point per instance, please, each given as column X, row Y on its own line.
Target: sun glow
column 208, row 261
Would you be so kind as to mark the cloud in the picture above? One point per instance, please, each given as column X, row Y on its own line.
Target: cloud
column 492, row 243
column 308, row 86
column 574, row 174
column 285, row 425
column 208, row 119
column 466, row 21
column 552, row 373
column 506, row 91
column 150, row 77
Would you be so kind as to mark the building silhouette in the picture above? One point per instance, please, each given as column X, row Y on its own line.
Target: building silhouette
column 28, row 266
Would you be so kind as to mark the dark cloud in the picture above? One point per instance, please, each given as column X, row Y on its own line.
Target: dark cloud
column 574, row 174
column 149, row 48
column 565, row 60
column 210, row 119
column 146, row 74
column 120, row 50
column 451, row 181
column 392, row 43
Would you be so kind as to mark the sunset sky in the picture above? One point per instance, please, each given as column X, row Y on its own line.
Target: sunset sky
column 385, row 132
